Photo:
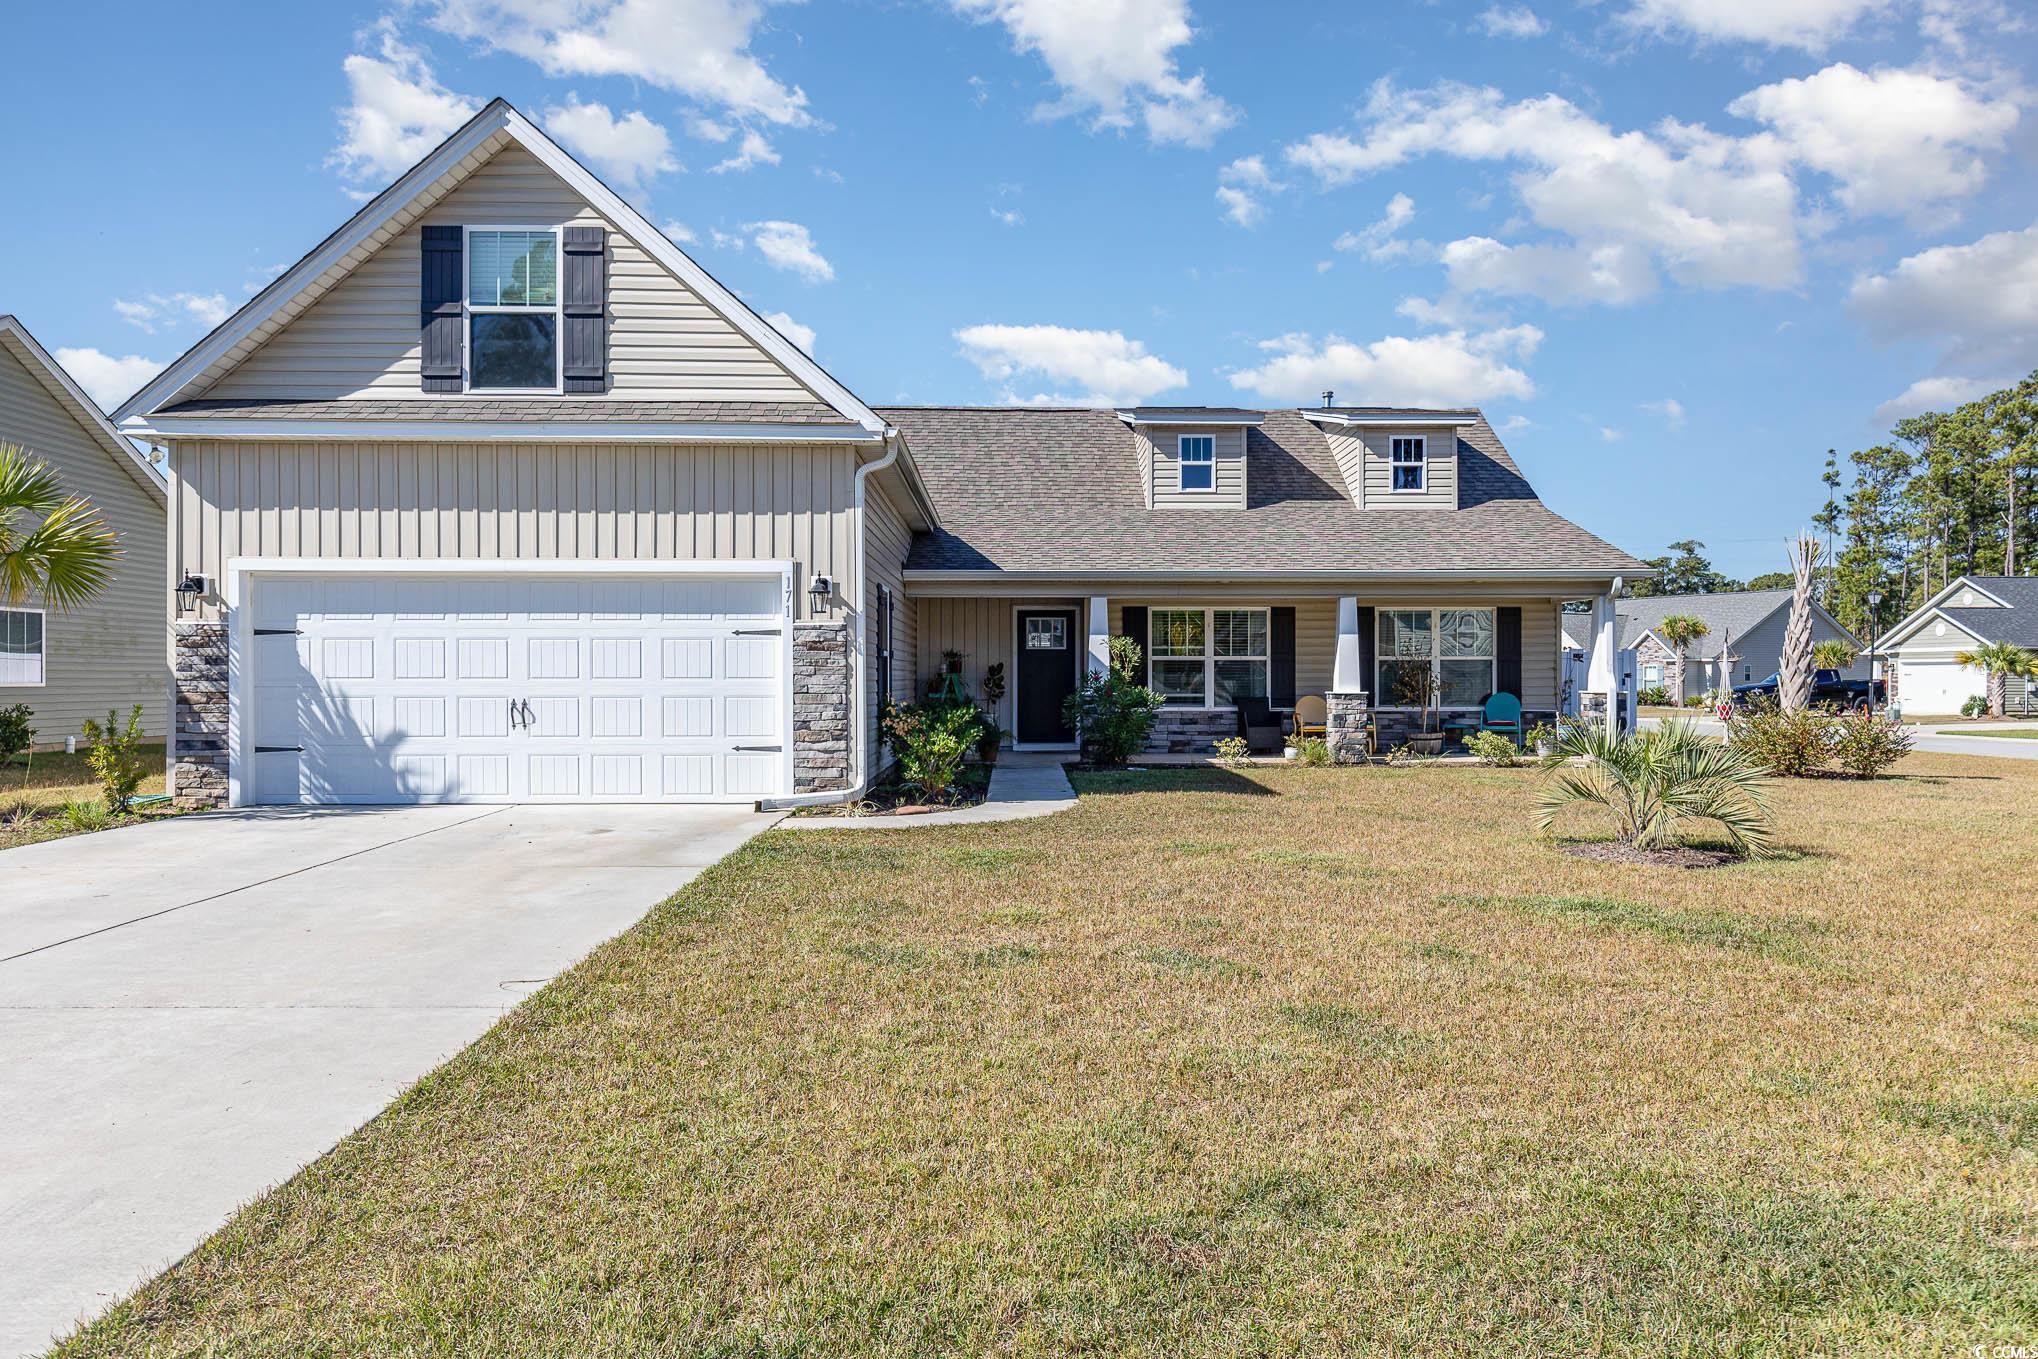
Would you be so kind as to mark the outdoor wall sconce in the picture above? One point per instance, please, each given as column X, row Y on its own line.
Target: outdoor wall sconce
column 818, row 591
column 189, row 591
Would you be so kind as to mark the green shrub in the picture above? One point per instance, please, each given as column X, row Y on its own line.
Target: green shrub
column 1976, row 706
column 1655, row 696
column 116, row 757
column 1113, row 712
column 1493, row 748
column 1233, row 751
column 1864, row 744
column 1313, row 751
column 932, row 739
column 1698, row 700
column 1790, row 744
column 16, row 735
column 85, row 815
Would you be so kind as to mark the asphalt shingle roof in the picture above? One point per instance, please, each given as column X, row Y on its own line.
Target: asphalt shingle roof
column 521, row 408
column 2017, row 624
column 1738, row 611
column 1058, row 490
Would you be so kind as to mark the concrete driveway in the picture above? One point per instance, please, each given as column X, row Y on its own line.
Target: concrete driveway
column 192, row 1010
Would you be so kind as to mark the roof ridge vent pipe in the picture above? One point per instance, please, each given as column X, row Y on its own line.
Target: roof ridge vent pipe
column 1327, row 397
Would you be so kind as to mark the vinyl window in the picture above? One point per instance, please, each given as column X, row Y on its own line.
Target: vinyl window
column 1407, row 457
column 513, row 309
column 1208, row 658
column 1460, row 643
column 21, row 646
column 1199, row 462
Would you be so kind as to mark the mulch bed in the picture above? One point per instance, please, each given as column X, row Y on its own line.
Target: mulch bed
column 972, row 785
column 1679, row 856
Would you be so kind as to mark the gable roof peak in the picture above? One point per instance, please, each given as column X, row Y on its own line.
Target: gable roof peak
column 16, row 340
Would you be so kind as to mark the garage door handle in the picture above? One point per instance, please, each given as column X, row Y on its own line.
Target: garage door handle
column 277, row 750
column 277, row 632
column 758, row 632
column 757, row 747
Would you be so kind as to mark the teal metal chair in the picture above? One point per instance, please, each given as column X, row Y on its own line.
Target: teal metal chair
column 1502, row 713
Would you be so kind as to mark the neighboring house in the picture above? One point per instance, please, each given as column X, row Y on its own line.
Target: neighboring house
column 1751, row 622
column 1973, row 610
column 497, row 495
column 112, row 653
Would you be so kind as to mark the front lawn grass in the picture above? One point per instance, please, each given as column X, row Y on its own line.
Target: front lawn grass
column 1267, row 1062
column 33, row 790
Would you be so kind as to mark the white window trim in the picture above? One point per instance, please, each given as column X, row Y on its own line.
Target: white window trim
column 1420, row 443
column 468, row 309
column 42, row 657
column 1182, row 463
column 1436, row 646
column 1210, row 658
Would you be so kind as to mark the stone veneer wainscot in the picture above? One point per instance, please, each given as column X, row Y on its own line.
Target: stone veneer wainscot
column 198, row 755
column 821, row 702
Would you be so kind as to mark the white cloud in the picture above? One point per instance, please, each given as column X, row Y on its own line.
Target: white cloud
column 679, row 231
column 151, row 309
column 1893, row 139
column 1115, row 370
column 803, row 336
column 1448, row 368
column 1938, row 394
column 1614, row 272
column 1514, row 424
column 106, row 379
column 1379, row 241
column 1115, row 60
column 1240, row 186
column 1512, row 21
column 708, row 129
column 1709, row 210
column 1980, row 298
column 1608, row 434
column 790, row 246
column 626, row 151
column 728, row 240
column 1009, row 216
column 1670, row 408
column 696, row 48
column 399, row 110
column 1807, row 24
column 755, row 149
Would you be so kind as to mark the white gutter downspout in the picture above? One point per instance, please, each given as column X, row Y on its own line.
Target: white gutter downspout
column 860, row 742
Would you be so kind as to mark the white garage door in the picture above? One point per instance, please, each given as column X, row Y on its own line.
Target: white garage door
column 1937, row 688
column 376, row 689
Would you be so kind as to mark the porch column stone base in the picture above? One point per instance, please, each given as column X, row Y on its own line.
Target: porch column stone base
column 1592, row 706
column 821, row 701
column 1348, row 715
column 1189, row 731
column 198, row 752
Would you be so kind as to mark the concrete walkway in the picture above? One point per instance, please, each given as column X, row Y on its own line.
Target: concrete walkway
column 191, row 1010
column 1023, row 784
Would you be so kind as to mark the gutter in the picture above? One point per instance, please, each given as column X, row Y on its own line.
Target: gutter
column 860, row 739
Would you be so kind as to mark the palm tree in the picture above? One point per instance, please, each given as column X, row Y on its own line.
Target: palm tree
column 1680, row 630
column 52, row 545
column 1832, row 654
column 1999, row 661
column 1655, row 781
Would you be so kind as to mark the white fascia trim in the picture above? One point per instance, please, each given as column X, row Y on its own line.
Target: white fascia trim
column 85, row 410
column 1899, row 634
column 1232, row 422
column 480, row 431
column 1387, row 421
column 1928, row 610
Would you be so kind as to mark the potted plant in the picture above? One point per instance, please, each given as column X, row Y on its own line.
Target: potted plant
column 994, row 693
column 1541, row 738
column 1416, row 686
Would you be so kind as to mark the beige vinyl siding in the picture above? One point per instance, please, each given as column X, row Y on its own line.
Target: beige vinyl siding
column 1229, row 489
column 112, row 653
column 518, row 502
column 1375, row 449
column 886, row 542
column 361, row 338
column 1350, row 452
column 983, row 631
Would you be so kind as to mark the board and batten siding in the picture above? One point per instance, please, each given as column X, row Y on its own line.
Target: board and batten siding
column 112, row 653
column 362, row 338
column 517, row 502
column 1164, row 446
column 1365, row 458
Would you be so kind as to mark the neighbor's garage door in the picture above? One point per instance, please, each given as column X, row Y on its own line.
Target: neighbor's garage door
column 394, row 688
column 1937, row 688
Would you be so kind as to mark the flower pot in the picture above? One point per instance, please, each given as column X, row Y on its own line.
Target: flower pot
column 1427, row 743
column 1290, row 753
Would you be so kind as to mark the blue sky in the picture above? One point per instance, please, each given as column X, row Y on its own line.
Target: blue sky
column 1675, row 248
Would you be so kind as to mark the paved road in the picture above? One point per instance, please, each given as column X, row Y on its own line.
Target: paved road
column 1926, row 737
column 192, row 1010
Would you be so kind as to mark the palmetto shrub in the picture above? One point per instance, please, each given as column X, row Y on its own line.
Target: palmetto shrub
column 1654, row 782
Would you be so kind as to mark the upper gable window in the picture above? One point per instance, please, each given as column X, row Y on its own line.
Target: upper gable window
column 512, row 309
column 1407, row 459
column 1199, row 462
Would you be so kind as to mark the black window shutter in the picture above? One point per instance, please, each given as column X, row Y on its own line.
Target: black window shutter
column 1281, row 682
column 1369, row 638
column 584, row 309
column 1134, row 627
column 1507, row 652
column 440, row 324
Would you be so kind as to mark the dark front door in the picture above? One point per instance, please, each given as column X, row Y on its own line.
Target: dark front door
column 1046, row 673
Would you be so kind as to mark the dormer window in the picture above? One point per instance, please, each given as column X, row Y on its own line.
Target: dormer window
column 1408, row 455
column 1199, row 462
column 512, row 309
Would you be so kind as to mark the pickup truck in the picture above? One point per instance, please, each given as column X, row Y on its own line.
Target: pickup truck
column 1830, row 689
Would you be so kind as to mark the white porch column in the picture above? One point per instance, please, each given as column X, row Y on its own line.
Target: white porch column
column 1100, row 634
column 1600, row 680
column 1347, row 674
